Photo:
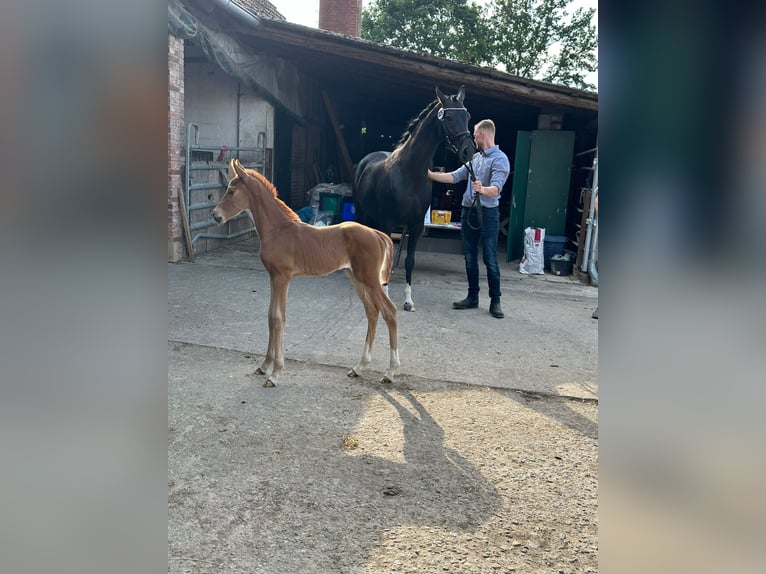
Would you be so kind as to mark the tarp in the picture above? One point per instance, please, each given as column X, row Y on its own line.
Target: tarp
column 274, row 79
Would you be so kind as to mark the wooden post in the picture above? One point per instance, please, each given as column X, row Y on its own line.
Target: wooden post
column 185, row 222
column 347, row 167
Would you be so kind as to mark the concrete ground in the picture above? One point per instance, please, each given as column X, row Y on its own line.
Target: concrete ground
column 481, row 457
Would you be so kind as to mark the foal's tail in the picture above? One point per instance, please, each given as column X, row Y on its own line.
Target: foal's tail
column 387, row 265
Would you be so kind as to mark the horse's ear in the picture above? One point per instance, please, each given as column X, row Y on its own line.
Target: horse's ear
column 232, row 172
column 441, row 96
column 238, row 169
column 461, row 94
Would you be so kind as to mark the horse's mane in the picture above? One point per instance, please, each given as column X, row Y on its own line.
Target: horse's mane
column 414, row 123
column 273, row 190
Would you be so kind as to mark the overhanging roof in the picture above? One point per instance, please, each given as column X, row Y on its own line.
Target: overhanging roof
column 365, row 67
column 356, row 70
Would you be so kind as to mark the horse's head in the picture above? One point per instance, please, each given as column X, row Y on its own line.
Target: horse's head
column 454, row 117
column 234, row 200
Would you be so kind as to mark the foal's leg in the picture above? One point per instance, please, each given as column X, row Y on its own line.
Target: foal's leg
column 372, row 322
column 275, row 355
column 388, row 310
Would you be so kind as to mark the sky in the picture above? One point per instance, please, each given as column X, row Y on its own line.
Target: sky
column 306, row 12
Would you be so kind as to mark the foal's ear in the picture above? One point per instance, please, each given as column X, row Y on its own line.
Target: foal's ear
column 232, row 172
column 237, row 167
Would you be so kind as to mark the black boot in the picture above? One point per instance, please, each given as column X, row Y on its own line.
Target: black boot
column 467, row 303
column 495, row 309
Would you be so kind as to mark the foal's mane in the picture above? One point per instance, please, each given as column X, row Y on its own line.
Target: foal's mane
column 273, row 191
column 414, row 123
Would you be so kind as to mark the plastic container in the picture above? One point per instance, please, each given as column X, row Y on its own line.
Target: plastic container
column 553, row 245
column 561, row 265
column 329, row 201
column 349, row 212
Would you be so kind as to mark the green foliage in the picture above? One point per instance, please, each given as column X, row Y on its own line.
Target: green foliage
column 536, row 39
column 450, row 29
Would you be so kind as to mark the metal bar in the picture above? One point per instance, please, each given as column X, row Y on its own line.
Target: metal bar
column 202, row 205
column 197, row 147
column 187, row 179
column 213, row 222
column 207, row 186
column 220, row 235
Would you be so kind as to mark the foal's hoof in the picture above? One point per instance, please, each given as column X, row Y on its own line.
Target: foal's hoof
column 259, row 371
column 268, row 383
column 409, row 306
column 352, row 373
column 385, row 380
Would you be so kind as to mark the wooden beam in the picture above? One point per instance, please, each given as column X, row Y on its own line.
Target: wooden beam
column 347, row 166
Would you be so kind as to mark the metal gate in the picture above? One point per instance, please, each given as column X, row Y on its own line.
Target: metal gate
column 205, row 179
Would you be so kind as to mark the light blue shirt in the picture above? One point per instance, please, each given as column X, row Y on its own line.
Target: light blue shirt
column 491, row 167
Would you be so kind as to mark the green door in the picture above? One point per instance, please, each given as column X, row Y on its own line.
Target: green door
column 541, row 191
column 515, row 247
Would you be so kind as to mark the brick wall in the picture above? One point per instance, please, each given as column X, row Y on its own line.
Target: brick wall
column 341, row 16
column 175, row 144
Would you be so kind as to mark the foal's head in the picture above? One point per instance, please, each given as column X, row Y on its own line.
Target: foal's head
column 234, row 200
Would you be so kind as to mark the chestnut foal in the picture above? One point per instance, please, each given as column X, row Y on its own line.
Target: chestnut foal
column 292, row 248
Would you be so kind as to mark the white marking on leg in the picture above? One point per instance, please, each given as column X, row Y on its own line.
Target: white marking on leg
column 409, row 305
column 363, row 362
column 393, row 364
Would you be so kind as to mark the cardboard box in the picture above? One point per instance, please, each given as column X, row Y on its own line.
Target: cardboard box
column 441, row 216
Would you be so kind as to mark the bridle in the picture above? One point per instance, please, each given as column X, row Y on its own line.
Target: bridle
column 451, row 140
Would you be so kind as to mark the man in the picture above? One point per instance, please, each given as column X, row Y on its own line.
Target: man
column 491, row 168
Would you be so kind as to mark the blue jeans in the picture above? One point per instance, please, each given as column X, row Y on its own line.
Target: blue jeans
column 487, row 236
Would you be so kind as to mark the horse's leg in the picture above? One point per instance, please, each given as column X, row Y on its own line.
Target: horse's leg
column 275, row 354
column 409, row 263
column 387, row 308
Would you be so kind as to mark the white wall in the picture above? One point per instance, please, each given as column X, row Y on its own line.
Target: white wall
column 226, row 113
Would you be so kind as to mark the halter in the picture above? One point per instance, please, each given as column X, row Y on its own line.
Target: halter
column 450, row 143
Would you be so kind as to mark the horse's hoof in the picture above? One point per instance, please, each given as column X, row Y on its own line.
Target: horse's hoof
column 409, row 307
column 260, row 371
column 268, row 383
column 352, row 373
column 385, row 380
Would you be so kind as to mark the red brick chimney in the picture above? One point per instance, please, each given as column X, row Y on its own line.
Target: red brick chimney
column 341, row 16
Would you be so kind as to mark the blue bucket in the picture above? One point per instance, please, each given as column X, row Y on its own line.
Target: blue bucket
column 348, row 213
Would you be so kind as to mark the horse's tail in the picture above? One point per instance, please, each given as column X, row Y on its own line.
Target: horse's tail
column 387, row 264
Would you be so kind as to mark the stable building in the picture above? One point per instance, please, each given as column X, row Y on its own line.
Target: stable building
column 304, row 105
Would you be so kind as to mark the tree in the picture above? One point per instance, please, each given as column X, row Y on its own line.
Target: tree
column 541, row 39
column 536, row 39
column 450, row 29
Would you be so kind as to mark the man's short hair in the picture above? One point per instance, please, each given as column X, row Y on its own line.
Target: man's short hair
column 487, row 126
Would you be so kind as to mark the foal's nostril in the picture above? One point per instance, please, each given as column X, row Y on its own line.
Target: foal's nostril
column 217, row 218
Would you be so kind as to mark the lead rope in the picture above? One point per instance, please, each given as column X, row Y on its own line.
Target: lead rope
column 475, row 204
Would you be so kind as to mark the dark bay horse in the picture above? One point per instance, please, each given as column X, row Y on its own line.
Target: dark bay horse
column 290, row 248
column 391, row 188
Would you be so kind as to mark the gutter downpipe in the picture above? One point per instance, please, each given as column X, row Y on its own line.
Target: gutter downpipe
column 586, row 260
